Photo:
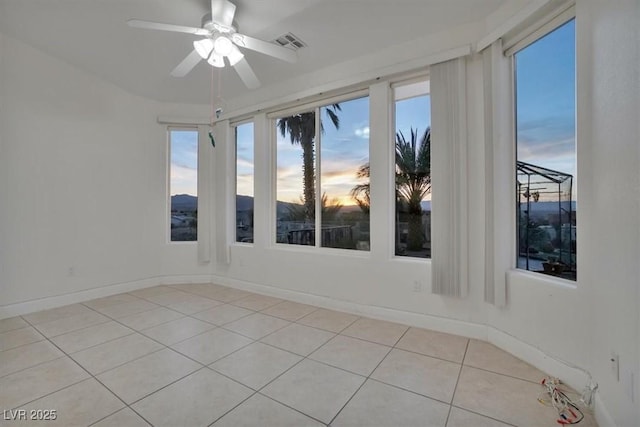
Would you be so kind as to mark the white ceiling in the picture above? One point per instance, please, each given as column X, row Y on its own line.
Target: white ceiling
column 93, row 35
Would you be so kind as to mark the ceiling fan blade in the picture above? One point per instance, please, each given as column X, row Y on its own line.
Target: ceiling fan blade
column 223, row 12
column 265, row 47
column 148, row 25
column 246, row 74
column 187, row 64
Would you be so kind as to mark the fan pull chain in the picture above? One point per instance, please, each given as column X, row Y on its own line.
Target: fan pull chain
column 213, row 141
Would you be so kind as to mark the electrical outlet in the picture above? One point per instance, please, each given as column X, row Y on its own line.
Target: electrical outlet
column 615, row 365
column 417, row 286
column 71, row 272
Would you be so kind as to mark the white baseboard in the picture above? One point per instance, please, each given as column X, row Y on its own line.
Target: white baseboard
column 185, row 279
column 603, row 417
column 436, row 323
column 575, row 377
column 46, row 303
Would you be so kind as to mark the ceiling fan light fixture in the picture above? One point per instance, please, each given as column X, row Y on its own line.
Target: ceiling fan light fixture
column 216, row 60
column 203, row 47
column 235, row 55
column 222, row 46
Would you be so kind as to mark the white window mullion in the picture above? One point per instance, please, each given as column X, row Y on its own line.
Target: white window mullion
column 318, row 174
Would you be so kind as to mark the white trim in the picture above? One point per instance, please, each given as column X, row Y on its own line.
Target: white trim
column 602, row 414
column 365, row 78
column 511, row 23
column 419, row 320
column 411, row 89
column 315, row 104
column 380, row 135
column 55, row 301
column 573, row 376
column 538, row 30
column 317, row 210
column 183, row 279
column 183, row 121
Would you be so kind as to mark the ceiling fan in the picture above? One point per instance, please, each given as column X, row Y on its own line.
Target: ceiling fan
column 220, row 40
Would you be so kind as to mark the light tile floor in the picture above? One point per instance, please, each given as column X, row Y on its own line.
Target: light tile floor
column 204, row 354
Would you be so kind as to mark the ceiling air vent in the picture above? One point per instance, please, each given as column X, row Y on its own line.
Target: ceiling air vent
column 291, row 41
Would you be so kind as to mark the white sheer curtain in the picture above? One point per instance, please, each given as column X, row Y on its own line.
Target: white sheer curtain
column 204, row 196
column 499, row 173
column 449, row 178
column 224, row 186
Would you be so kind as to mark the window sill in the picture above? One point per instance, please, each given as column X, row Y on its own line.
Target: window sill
column 313, row 250
column 515, row 274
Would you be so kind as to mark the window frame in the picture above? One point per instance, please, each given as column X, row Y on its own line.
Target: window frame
column 171, row 128
column 272, row 117
column 234, row 126
column 415, row 80
column 511, row 46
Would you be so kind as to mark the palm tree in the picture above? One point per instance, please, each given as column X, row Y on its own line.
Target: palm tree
column 361, row 193
column 413, row 179
column 302, row 130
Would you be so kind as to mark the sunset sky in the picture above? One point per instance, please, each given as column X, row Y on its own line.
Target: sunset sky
column 184, row 162
column 546, row 102
column 344, row 150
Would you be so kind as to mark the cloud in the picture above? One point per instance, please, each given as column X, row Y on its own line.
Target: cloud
column 183, row 166
column 547, row 128
column 362, row 132
column 244, row 162
column 184, row 180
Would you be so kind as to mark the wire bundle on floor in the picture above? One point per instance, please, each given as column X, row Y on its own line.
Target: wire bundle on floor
column 568, row 412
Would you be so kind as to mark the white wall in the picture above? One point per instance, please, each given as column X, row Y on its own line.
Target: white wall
column 609, row 81
column 83, row 194
column 583, row 323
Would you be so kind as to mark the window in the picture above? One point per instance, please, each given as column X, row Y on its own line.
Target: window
column 183, row 184
column 326, row 148
column 545, row 79
column 413, row 170
column 296, row 180
column 244, row 183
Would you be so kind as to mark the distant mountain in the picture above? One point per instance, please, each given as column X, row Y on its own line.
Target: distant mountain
column 184, row 202
column 187, row 202
column 244, row 203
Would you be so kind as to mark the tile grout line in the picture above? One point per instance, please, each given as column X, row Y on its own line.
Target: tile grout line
column 483, row 415
column 368, row 376
column 91, row 376
column 453, row 396
column 258, row 340
column 132, row 403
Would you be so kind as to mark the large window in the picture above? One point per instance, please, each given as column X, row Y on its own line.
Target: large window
column 244, row 183
column 413, row 170
column 545, row 79
column 183, row 184
column 326, row 148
